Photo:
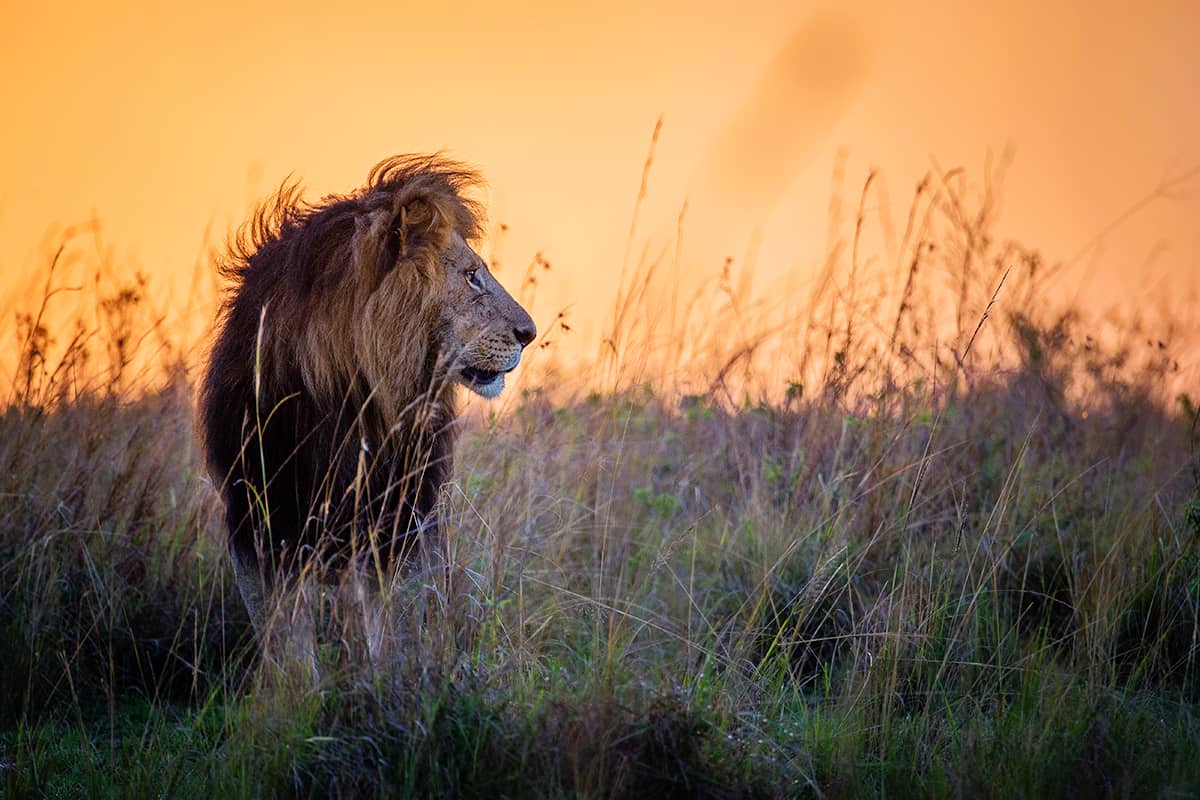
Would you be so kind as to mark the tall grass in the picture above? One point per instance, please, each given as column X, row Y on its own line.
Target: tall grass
column 915, row 531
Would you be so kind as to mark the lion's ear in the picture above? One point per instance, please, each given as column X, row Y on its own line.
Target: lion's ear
column 411, row 232
column 420, row 225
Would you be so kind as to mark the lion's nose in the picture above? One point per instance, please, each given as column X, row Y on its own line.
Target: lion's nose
column 525, row 332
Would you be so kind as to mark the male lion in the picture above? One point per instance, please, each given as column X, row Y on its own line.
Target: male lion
column 329, row 401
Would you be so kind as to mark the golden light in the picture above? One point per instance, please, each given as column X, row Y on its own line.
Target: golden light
column 166, row 125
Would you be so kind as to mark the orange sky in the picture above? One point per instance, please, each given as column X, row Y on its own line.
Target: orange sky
column 164, row 121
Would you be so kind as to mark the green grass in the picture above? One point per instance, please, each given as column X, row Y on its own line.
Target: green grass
column 931, row 575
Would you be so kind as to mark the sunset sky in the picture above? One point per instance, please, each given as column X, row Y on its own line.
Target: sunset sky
column 167, row 121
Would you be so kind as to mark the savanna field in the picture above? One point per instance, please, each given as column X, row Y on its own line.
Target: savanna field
column 915, row 531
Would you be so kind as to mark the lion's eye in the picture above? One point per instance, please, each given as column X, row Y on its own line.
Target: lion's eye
column 473, row 278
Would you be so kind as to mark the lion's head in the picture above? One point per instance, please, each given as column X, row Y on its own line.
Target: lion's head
column 392, row 267
column 483, row 329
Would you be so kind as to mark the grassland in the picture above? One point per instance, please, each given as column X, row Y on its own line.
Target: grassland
column 937, row 539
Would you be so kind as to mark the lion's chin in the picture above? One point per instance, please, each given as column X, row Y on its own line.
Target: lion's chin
column 482, row 382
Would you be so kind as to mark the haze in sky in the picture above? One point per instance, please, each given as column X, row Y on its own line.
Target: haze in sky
column 168, row 123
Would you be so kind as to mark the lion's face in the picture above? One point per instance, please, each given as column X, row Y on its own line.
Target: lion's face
column 484, row 329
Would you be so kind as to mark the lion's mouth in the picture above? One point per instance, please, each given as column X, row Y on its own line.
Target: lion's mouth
column 487, row 383
column 480, row 377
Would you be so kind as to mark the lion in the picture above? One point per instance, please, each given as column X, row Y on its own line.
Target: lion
column 329, row 400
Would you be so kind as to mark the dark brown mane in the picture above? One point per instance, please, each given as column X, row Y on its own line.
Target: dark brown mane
column 323, row 413
column 287, row 217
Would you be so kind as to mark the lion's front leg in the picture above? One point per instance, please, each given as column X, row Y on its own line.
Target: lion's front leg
column 284, row 625
column 247, row 573
column 366, row 605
